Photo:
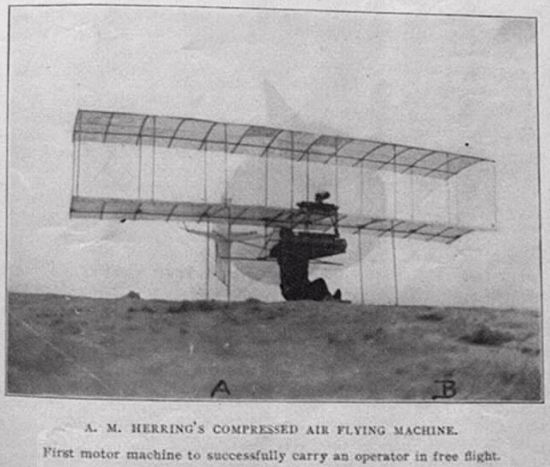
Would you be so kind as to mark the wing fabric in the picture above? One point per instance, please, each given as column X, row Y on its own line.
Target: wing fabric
column 266, row 216
column 223, row 252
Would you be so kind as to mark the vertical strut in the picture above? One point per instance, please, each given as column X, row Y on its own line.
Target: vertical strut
column 205, row 173
column 207, row 277
column 225, row 189
column 73, row 180
column 140, row 158
column 266, row 177
column 336, row 171
column 457, row 206
column 495, row 204
column 291, row 170
column 228, row 257
column 266, row 185
column 226, row 194
column 361, row 281
column 412, row 196
column 448, row 183
column 394, row 254
column 362, row 190
column 205, row 194
column 307, row 176
column 154, row 157
column 78, row 164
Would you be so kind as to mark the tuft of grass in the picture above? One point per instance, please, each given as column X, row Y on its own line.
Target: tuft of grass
column 529, row 351
column 253, row 300
column 193, row 305
column 256, row 307
column 145, row 309
column 337, row 338
column 484, row 335
column 373, row 334
column 434, row 317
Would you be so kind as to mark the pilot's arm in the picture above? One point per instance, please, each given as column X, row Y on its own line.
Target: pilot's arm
column 275, row 251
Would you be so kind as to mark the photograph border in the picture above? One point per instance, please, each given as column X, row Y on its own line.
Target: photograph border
column 261, row 400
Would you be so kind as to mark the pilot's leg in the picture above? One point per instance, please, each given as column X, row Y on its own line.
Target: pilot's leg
column 292, row 293
column 318, row 290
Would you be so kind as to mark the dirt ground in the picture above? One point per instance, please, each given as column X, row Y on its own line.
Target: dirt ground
column 134, row 348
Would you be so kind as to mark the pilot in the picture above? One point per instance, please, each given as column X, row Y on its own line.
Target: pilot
column 293, row 266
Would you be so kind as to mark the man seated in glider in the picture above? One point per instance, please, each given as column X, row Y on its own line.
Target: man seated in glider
column 293, row 265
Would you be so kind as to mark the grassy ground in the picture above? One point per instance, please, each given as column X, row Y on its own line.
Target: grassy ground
column 129, row 347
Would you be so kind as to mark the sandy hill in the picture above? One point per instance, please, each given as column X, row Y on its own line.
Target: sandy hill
column 131, row 347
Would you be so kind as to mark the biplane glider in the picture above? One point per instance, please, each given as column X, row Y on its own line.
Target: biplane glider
column 316, row 223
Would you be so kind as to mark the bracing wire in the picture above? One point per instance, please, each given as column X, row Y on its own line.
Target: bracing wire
column 361, row 279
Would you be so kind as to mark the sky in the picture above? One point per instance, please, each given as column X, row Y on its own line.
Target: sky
column 459, row 84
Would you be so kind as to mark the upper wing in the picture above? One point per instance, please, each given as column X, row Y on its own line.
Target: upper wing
column 134, row 209
column 196, row 134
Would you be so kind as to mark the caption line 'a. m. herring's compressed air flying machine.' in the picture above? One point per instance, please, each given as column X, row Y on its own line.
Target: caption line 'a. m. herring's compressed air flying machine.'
column 317, row 223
